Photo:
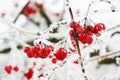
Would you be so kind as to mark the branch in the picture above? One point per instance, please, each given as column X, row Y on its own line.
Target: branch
column 103, row 56
column 20, row 12
column 12, row 25
column 117, row 26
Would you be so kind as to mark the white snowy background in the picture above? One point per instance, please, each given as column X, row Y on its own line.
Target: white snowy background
column 10, row 37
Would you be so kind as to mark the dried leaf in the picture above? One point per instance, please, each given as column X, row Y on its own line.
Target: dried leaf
column 95, row 53
column 54, row 40
column 6, row 50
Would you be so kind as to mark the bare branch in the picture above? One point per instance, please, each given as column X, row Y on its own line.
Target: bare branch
column 103, row 56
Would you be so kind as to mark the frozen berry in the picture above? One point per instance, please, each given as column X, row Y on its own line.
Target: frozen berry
column 54, row 60
column 16, row 68
column 8, row 69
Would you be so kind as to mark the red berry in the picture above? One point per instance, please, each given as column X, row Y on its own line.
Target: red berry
column 8, row 69
column 26, row 49
column 36, row 48
column 72, row 24
column 54, row 60
column 89, row 39
column 16, row 68
column 79, row 29
column 36, row 55
column 40, row 54
column 90, row 28
column 29, row 74
column 89, row 33
column 31, row 53
column 40, row 5
column 61, row 54
column 82, row 38
column 29, row 10
column 46, row 51
column 85, row 29
column 98, row 27
column 50, row 47
column 102, row 26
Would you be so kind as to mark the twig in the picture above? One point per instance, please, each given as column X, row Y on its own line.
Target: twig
column 76, row 40
column 20, row 12
column 103, row 56
column 113, row 28
column 12, row 25
column 87, row 13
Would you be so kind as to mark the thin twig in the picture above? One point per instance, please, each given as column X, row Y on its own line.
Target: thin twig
column 87, row 13
column 12, row 25
column 20, row 12
column 118, row 26
column 103, row 56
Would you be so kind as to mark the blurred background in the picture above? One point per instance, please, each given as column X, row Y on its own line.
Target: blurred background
column 21, row 22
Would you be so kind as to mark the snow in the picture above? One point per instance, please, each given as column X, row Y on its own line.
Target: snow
column 69, row 71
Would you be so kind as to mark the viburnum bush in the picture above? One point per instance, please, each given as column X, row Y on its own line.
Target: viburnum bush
column 77, row 36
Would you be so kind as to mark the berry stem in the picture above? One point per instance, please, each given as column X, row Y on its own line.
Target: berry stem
column 21, row 12
column 87, row 13
column 103, row 56
column 76, row 40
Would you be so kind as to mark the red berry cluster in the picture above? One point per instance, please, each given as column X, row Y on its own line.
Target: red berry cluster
column 9, row 69
column 29, row 74
column 38, row 52
column 61, row 54
column 29, row 11
column 84, row 34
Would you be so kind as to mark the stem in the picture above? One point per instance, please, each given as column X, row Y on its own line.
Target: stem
column 12, row 25
column 20, row 12
column 43, row 14
column 103, row 56
column 87, row 13
column 76, row 40
column 31, row 20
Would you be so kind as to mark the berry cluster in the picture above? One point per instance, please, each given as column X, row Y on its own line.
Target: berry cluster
column 29, row 74
column 61, row 54
column 9, row 69
column 38, row 52
column 29, row 11
column 84, row 34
